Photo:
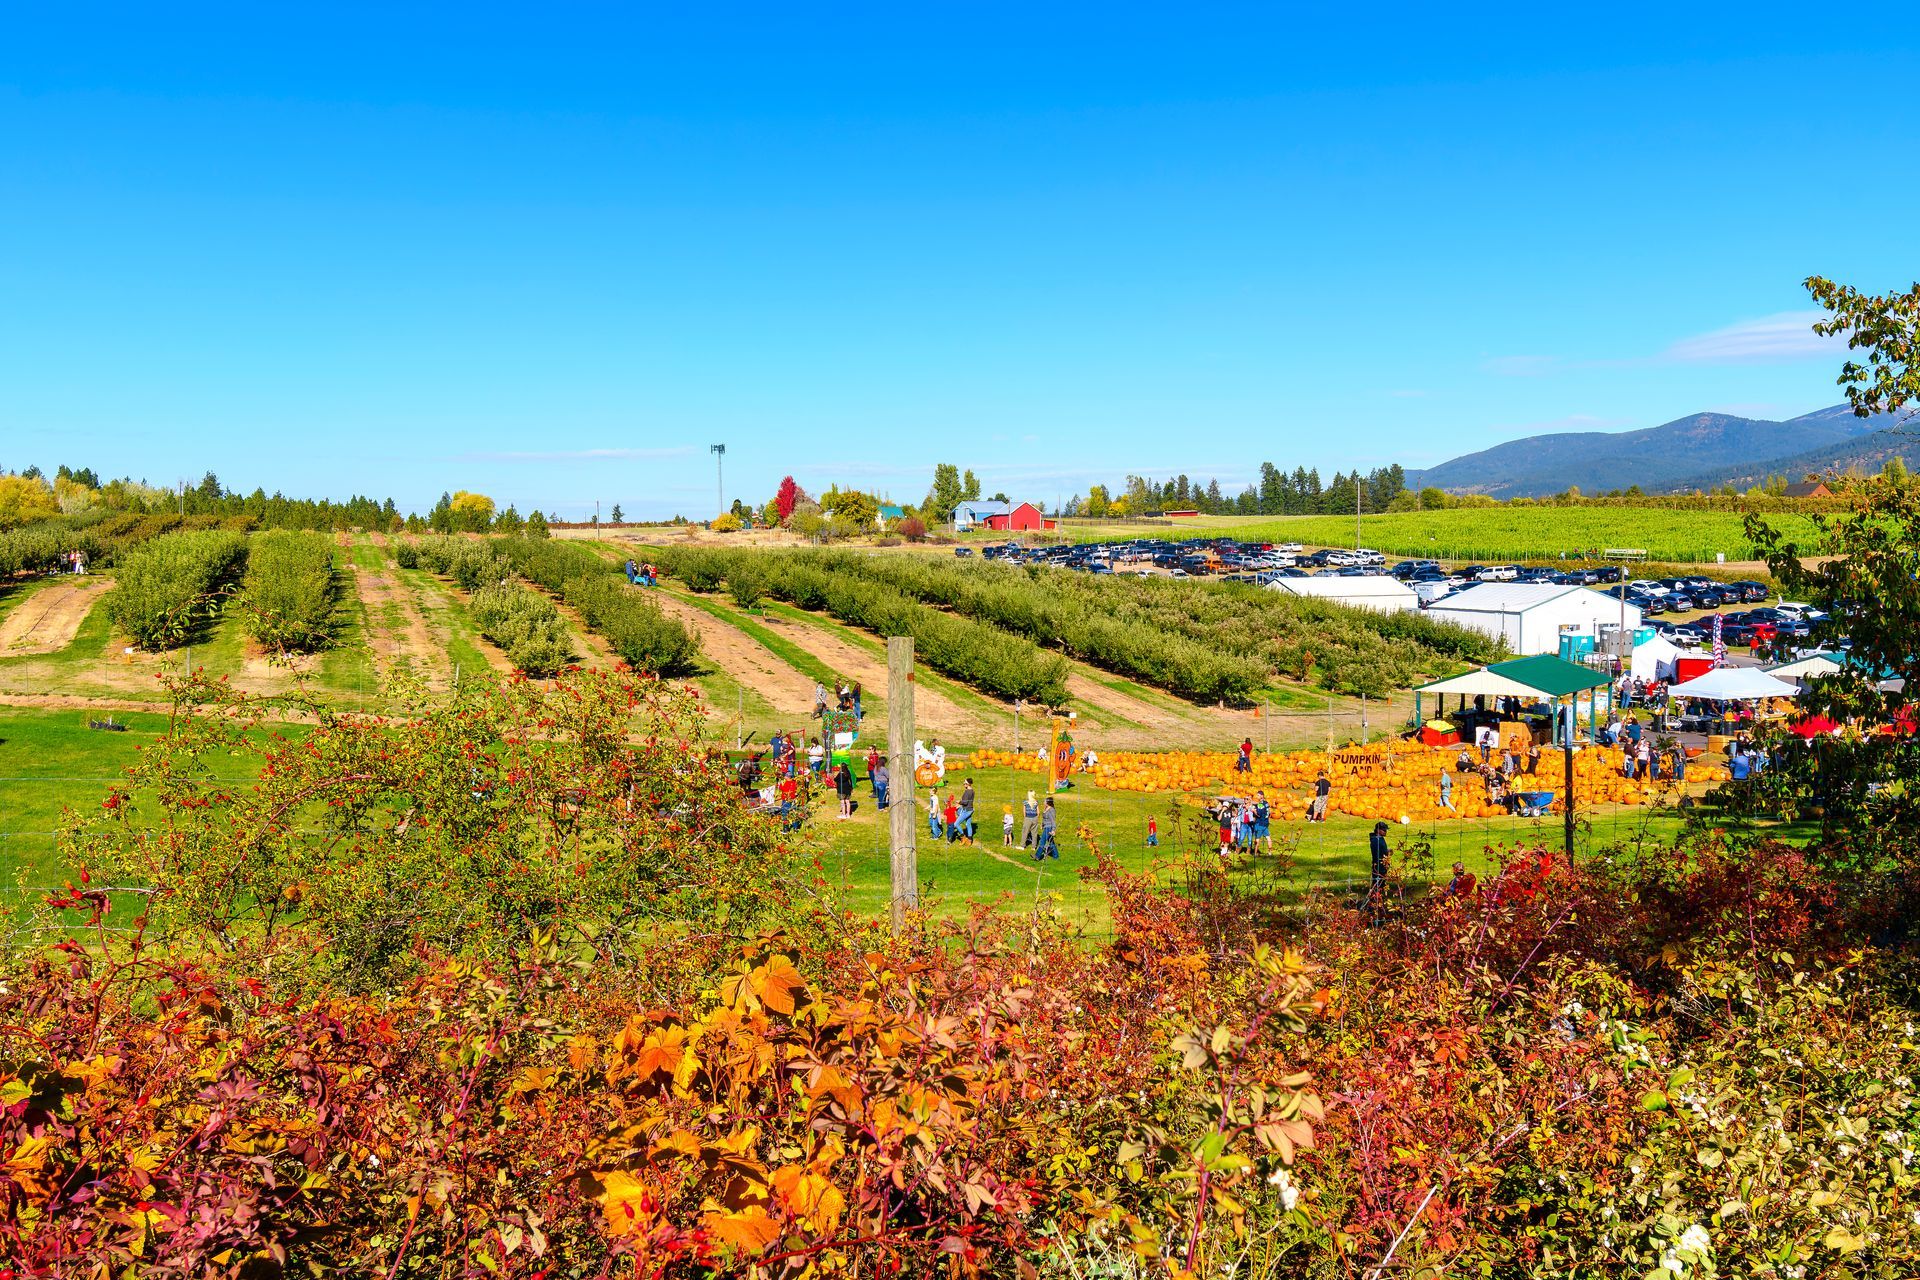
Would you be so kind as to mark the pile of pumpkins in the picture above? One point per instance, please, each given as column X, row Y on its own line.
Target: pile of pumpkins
column 1029, row 761
column 1390, row 779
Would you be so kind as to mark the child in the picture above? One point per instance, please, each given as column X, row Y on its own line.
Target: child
column 1006, row 825
column 1153, row 833
column 1226, row 827
column 952, row 814
column 933, row 814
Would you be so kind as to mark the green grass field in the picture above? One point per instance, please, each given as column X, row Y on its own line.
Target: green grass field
column 52, row 767
column 1492, row 533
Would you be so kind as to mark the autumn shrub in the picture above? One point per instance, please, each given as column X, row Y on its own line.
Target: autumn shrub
column 165, row 588
column 290, row 592
column 521, row 987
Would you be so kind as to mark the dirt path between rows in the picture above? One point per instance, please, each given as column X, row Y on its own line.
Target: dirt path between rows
column 1084, row 688
column 933, row 712
column 742, row 658
column 411, row 643
column 599, row 654
column 47, row 621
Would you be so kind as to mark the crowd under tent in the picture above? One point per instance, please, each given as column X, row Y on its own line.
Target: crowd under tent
column 1375, row 591
column 1541, row 678
column 1532, row 616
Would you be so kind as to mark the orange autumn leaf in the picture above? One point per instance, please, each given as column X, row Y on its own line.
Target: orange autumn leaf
column 775, row 982
column 809, row 1196
column 628, row 1203
column 749, row 1230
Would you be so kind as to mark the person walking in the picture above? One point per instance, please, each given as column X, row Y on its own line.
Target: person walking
column 934, row 809
column 633, row 573
column 819, row 700
column 1377, row 853
column 1153, row 833
column 1679, row 762
column 882, row 780
column 789, row 793
column 1006, row 826
column 1049, row 829
column 1245, row 763
column 1446, row 793
column 858, row 713
column 1643, row 751
column 1030, row 822
column 873, row 768
column 1322, row 788
column 843, row 786
column 1262, row 822
column 967, row 828
column 952, row 814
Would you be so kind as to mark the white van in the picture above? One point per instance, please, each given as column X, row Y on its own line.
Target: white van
column 1427, row 592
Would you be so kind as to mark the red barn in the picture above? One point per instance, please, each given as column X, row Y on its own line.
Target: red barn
column 1024, row 518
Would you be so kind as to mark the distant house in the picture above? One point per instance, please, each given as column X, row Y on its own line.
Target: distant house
column 969, row 514
column 888, row 514
column 1180, row 515
column 1808, row 489
column 1025, row 518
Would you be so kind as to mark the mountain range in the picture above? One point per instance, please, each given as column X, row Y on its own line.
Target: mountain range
column 1701, row 451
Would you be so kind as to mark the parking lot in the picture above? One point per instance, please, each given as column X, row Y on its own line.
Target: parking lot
column 1681, row 608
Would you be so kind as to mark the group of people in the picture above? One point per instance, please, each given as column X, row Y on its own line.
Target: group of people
column 954, row 818
column 1517, row 757
column 844, row 696
column 1246, row 824
column 641, row 575
column 1640, row 757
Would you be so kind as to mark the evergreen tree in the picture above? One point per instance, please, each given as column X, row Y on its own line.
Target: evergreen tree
column 1271, row 483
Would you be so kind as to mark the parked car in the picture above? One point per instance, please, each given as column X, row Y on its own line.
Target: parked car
column 963, row 551
column 1751, row 592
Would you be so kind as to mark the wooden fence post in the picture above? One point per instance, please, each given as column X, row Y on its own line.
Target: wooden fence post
column 902, row 819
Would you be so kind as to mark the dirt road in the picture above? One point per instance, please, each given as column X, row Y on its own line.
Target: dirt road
column 47, row 621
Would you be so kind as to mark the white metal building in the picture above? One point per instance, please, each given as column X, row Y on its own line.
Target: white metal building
column 1377, row 592
column 1532, row 616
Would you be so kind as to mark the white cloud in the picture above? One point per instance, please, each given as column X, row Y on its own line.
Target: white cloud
column 1786, row 335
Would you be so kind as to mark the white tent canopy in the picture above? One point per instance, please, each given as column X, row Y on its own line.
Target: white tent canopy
column 1654, row 659
column 1483, row 682
column 1814, row 664
column 1735, row 684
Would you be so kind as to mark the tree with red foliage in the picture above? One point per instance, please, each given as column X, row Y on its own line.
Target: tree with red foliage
column 787, row 497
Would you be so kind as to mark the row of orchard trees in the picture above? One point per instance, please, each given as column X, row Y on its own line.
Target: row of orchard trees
column 993, row 625
column 528, row 626
column 288, row 588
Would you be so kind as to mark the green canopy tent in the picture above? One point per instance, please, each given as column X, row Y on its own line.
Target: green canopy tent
column 1541, row 676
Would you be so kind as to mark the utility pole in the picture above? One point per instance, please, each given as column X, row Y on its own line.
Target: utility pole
column 719, row 452
column 1568, row 807
column 1356, row 508
column 901, row 823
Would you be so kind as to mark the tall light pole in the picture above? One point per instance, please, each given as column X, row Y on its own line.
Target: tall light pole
column 719, row 452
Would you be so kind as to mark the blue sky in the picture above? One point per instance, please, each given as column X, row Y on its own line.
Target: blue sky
column 553, row 252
